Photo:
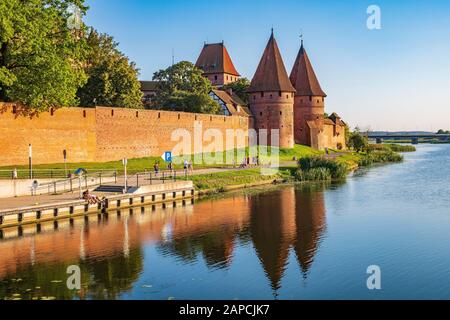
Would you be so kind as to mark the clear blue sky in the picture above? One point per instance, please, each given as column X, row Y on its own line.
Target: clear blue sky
column 396, row 78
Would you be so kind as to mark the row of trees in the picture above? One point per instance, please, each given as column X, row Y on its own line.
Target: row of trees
column 441, row 131
column 48, row 61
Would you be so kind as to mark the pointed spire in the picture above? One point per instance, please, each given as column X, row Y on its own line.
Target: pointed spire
column 303, row 77
column 271, row 73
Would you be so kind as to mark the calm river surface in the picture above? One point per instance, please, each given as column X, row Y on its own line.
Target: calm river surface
column 310, row 242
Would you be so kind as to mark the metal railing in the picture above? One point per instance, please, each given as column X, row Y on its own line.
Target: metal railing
column 75, row 183
column 150, row 177
column 40, row 173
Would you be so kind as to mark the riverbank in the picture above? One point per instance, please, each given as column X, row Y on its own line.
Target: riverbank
column 139, row 165
column 318, row 168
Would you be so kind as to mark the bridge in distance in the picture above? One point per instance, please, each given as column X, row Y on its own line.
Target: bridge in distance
column 379, row 137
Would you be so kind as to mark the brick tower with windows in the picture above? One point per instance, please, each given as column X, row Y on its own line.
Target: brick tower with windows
column 309, row 104
column 272, row 96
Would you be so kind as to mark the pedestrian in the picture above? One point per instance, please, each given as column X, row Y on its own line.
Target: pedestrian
column 156, row 168
column 191, row 167
column 15, row 175
column 186, row 166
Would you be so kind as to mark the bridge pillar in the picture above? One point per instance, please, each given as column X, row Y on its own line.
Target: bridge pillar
column 379, row 140
column 415, row 140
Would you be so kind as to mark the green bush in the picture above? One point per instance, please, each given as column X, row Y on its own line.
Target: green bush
column 314, row 168
column 380, row 157
column 315, row 174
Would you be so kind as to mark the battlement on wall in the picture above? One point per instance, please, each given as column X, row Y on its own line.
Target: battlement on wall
column 98, row 134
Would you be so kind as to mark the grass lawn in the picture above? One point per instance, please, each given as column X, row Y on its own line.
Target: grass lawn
column 143, row 164
column 219, row 180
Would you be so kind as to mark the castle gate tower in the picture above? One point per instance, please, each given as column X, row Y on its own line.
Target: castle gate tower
column 272, row 96
column 309, row 104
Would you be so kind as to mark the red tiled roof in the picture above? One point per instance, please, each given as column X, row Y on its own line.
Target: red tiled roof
column 149, row 85
column 214, row 58
column 304, row 78
column 336, row 119
column 271, row 73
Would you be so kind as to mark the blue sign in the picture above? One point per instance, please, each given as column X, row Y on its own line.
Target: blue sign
column 167, row 156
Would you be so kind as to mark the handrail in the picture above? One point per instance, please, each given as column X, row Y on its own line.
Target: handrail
column 54, row 186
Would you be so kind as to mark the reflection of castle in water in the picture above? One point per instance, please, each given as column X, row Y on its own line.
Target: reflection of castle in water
column 288, row 218
column 276, row 223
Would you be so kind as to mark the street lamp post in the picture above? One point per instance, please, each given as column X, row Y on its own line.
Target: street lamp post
column 65, row 162
column 125, row 162
column 30, row 160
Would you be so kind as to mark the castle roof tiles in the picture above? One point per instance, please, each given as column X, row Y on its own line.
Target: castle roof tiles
column 304, row 78
column 215, row 58
column 271, row 73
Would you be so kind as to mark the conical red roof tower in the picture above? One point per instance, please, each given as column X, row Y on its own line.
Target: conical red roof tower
column 271, row 73
column 272, row 98
column 309, row 104
column 304, row 78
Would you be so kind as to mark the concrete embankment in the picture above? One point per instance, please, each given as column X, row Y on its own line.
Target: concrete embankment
column 147, row 195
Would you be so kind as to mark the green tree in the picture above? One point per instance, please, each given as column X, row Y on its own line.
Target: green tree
column 113, row 79
column 358, row 142
column 182, row 87
column 40, row 53
column 240, row 88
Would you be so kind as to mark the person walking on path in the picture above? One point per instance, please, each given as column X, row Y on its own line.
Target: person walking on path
column 186, row 167
column 156, row 168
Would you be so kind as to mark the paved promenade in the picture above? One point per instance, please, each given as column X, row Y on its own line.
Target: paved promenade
column 29, row 201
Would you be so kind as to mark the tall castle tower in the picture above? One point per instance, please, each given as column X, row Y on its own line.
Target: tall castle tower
column 217, row 65
column 309, row 105
column 272, row 96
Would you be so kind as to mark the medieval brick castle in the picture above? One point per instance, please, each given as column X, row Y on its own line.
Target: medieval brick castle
column 294, row 105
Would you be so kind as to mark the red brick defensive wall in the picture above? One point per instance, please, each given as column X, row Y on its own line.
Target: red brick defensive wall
column 100, row 134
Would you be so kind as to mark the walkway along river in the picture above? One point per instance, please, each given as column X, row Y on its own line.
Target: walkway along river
column 311, row 241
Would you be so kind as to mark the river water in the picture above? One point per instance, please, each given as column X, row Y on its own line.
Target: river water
column 304, row 242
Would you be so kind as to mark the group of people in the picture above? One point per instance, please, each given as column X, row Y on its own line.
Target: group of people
column 188, row 167
column 92, row 199
column 250, row 161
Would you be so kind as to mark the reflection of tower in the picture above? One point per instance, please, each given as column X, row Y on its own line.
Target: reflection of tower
column 211, row 230
column 272, row 225
column 218, row 249
column 311, row 224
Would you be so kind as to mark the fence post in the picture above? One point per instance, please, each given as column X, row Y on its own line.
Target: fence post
column 54, row 187
column 115, row 176
column 71, row 188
